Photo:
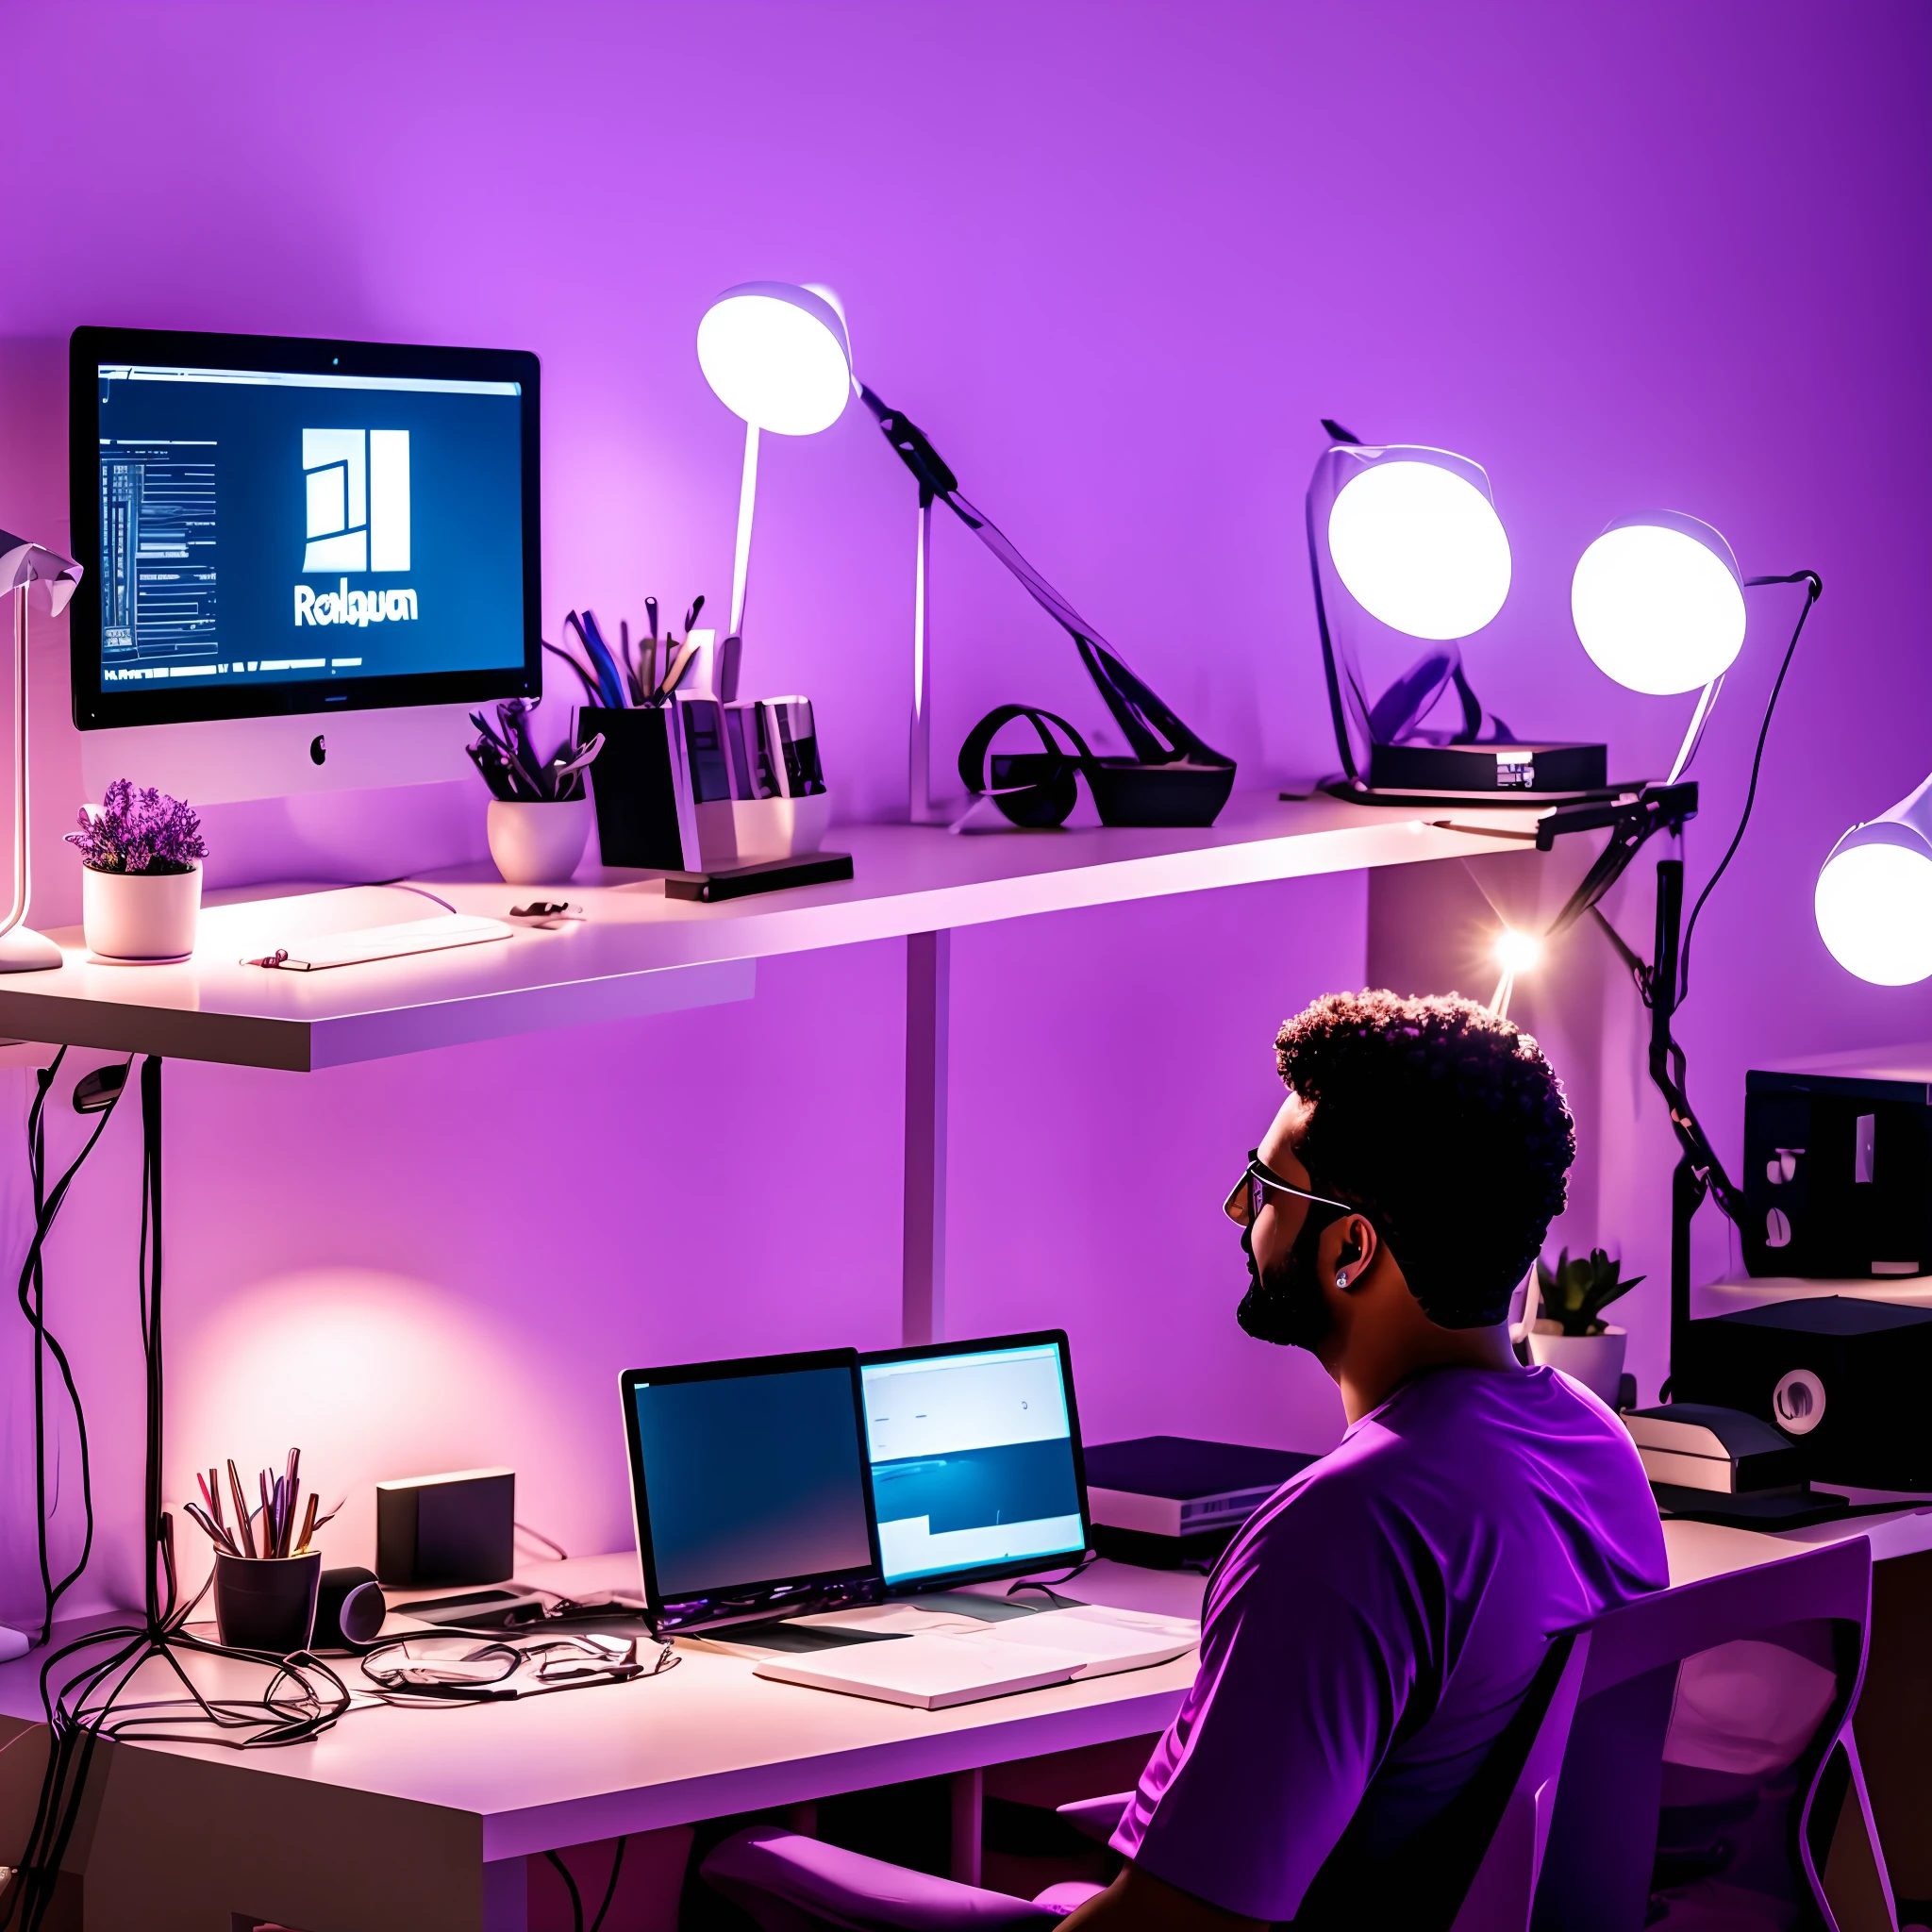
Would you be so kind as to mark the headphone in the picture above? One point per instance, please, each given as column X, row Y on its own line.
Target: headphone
column 1034, row 788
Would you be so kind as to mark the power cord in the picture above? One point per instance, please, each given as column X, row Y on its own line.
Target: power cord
column 1814, row 588
column 33, row 1306
column 577, row 1903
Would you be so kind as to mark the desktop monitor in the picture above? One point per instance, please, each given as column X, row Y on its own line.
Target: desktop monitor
column 748, row 1480
column 306, row 558
column 974, row 1452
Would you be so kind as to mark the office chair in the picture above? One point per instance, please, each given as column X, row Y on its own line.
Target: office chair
column 1480, row 1874
column 1711, row 1776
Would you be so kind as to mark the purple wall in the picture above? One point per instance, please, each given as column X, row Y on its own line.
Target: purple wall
column 1117, row 260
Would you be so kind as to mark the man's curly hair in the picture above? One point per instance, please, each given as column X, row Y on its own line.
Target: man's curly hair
column 1449, row 1130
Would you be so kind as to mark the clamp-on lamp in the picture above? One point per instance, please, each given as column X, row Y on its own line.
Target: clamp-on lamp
column 1409, row 536
column 45, row 578
column 1874, row 897
column 779, row 357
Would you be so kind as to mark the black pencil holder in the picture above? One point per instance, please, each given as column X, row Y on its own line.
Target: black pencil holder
column 633, row 785
column 267, row 1602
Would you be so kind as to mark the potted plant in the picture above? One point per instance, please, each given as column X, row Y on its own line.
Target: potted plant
column 539, row 814
column 140, row 856
column 1570, row 1333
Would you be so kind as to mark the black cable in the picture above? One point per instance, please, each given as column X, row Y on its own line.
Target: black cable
column 1814, row 589
column 47, row 1205
column 610, row 1890
column 577, row 1903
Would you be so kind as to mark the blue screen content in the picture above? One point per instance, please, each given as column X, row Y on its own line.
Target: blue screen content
column 972, row 1463
column 261, row 528
column 752, row 1479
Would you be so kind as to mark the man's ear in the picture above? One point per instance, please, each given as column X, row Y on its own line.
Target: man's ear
column 1356, row 1254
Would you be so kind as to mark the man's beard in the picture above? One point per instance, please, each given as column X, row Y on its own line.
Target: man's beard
column 1286, row 1304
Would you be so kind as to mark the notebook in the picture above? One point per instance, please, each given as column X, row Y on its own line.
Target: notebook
column 949, row 1666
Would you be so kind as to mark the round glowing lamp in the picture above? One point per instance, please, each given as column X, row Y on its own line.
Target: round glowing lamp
column 779, row 357
column 1874, row 897
column 1420, row 546
column 1659, row 603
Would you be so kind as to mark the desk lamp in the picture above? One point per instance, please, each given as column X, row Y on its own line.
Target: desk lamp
column 779, row 357
column 1411, row 534
column 1659, row 605
column 29, row 570
column 1874, row 898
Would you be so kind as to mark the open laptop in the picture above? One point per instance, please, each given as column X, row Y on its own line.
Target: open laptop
column 753, row 1485
column 975, row 1456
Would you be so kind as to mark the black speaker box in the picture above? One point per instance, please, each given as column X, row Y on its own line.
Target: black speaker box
column 436, row 1529
column 1846, row 1381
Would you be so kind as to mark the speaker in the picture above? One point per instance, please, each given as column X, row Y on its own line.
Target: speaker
column 454, row 1529
column 349, row 1609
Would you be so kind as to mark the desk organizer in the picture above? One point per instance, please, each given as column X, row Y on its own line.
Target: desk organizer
column 267, row 1602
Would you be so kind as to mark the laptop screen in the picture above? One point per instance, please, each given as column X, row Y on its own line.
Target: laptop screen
column 975, row 1460
column 751, row 1487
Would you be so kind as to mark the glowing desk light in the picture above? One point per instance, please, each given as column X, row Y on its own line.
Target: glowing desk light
column 1659, row 604
column 43, row 577
column 1410, row 538
column 1874, row 898
column 778, row 357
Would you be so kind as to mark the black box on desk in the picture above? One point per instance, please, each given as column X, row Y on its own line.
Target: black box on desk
column 1838, row 1169
column 1849, row 1382
column 455, row 1529
column 1162, row 1501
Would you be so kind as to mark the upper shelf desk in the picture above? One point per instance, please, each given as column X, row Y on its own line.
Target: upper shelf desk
column 639, row 953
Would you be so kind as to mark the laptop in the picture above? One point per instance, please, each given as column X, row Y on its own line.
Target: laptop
column 974, row 1451
column 754, row 1481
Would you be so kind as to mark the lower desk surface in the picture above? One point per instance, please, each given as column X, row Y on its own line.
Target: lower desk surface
column 421, row 1819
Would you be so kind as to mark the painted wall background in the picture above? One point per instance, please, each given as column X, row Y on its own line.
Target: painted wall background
column 1117, row 259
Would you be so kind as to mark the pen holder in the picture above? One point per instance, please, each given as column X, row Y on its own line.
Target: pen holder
column 267, row 1602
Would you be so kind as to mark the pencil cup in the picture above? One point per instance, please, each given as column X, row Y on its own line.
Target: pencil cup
column 267, row 1602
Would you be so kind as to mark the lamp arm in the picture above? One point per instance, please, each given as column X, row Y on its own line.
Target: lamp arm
column 1141, row 715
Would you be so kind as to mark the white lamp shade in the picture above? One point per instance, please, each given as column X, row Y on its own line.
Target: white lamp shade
column 778, row 356
column 1420, row 548
column 1659, row 604
column 1873, row 899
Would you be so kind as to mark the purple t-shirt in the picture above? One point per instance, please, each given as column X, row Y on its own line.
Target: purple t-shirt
column 1416, row 1572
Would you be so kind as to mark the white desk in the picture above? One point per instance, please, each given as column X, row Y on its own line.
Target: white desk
column 422, row 1820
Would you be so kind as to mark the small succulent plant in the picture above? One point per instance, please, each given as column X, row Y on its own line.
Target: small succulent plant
column 134, row 831
column 1575, row 1293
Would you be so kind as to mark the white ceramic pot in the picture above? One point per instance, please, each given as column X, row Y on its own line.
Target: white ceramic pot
column 537, row 844
column 135, row 915
column 770, row 829
column 1595, row 1361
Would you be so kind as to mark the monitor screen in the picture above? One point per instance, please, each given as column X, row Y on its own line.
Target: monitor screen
column 271, row 524
column 751, row 1487
column 974, row 1454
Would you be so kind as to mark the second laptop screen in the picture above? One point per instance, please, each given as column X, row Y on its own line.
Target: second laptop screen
column 971, row 1461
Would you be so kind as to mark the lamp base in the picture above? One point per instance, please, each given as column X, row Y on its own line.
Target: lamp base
column 23, row 950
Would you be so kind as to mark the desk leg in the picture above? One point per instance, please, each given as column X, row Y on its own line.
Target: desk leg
column 928, row 1002
column 506, row 1895
column 969, row 1787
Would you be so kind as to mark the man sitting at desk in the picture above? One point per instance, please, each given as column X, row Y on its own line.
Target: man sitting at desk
column 1371, row 1629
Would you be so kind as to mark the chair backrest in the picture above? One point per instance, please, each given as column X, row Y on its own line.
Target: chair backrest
column 1735, row 1813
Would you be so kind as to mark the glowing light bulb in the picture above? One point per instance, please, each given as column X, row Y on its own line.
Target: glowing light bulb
column 1659, row 604
column 1518, row 952
column 777, row 355
column 1420, row 548
column 1873, row 905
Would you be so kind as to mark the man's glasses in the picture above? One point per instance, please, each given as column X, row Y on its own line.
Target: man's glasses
column 1248, row 1195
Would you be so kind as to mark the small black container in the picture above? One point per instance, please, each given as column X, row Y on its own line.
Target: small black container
column 267, row 1602
column 1126, row 792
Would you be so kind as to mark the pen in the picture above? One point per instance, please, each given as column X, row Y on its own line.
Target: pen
column 308, row 1522
column 242, row 1525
